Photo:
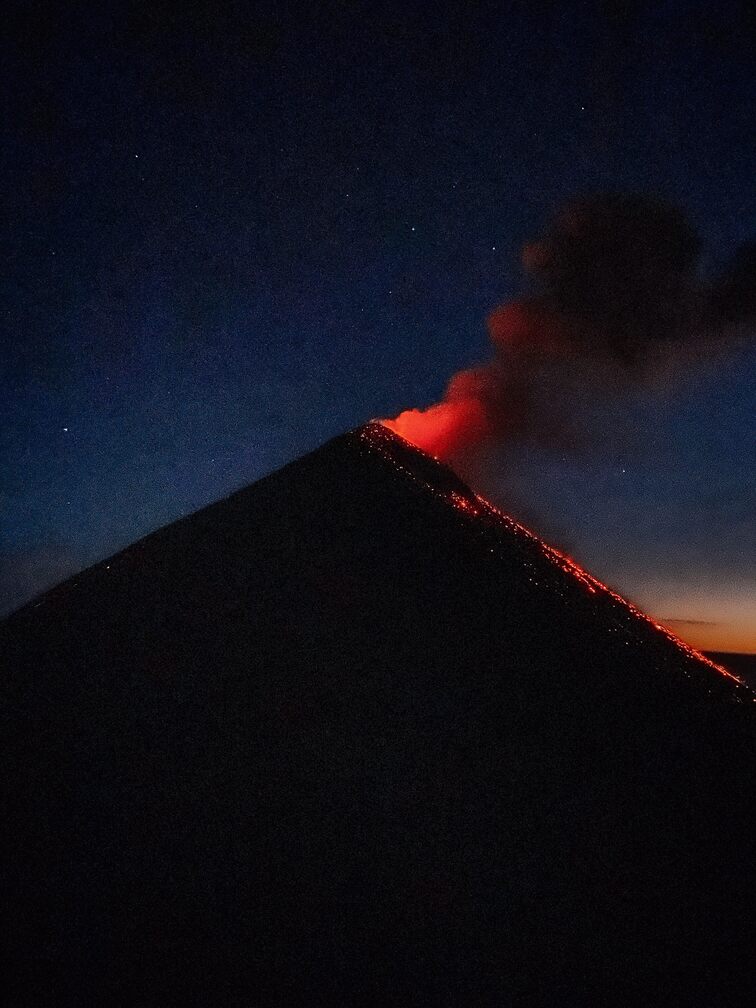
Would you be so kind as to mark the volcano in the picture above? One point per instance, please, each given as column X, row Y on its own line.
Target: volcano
column 352, row 736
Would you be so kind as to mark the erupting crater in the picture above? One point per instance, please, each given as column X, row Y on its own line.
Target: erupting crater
column 353, row 730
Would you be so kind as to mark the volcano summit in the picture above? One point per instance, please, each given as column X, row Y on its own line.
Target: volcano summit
column 352, row 736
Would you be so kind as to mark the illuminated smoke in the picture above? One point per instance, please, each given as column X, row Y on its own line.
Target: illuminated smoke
column 617, row 303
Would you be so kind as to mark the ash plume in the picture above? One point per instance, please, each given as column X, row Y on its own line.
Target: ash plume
column 615, row 305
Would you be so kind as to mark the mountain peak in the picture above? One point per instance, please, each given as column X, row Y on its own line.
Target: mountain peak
column 354, row 735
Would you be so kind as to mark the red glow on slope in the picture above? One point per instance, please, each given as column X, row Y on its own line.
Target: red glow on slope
column 462, row 503
column 561, row 560
column 593, row 585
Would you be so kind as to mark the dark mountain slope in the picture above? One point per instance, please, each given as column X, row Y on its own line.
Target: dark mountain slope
column 741, row 665
column 350, row 737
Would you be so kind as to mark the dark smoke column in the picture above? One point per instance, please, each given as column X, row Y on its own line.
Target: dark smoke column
column 616, row 300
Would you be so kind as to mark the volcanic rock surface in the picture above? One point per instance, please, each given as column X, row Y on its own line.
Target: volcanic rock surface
column 351, row 736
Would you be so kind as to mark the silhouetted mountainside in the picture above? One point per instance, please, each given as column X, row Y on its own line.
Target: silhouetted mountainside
column 741, row 665
column 353, row 737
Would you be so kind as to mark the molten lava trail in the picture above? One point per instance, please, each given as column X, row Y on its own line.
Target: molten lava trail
column 382, row 438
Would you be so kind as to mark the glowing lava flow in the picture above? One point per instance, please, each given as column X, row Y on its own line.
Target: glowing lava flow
column 475, row 506
column 593, row 585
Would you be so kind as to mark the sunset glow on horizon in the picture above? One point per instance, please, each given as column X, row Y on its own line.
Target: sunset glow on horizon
column 717, row 621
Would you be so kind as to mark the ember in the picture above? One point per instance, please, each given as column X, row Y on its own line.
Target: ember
column 376, row 434
column 462, row 503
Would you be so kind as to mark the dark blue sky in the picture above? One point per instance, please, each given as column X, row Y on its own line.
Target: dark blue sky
column 232, row 235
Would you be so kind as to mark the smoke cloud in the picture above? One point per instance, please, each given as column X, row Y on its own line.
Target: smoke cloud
column 615, row 303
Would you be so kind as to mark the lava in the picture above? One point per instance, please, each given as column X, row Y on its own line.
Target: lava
column 479, row 506
column 461, row 503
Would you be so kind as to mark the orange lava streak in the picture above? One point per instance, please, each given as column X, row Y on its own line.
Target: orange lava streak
column 565, row 563
column 462, row 503
column 593, row 584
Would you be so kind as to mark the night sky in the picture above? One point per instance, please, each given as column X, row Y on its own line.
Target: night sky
column 230, row 236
